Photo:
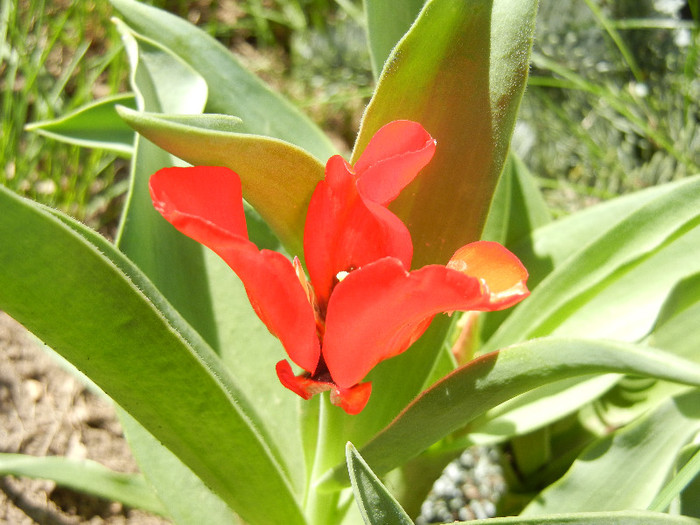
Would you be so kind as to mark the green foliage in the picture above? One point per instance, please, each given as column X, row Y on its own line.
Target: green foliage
column 165, row 328
column 85, row 476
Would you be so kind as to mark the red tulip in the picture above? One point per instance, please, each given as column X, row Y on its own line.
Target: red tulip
column 361, row 304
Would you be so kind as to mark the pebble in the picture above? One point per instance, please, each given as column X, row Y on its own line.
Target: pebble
column 468, row 489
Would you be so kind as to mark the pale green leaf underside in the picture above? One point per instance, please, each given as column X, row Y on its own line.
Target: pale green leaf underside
column 278, row 178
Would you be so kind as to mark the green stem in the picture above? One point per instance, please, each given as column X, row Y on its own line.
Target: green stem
column 322, row 508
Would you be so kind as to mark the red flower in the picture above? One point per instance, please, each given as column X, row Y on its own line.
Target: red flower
column 360, row 304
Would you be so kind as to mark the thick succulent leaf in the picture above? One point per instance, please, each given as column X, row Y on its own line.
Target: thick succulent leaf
column 499, row 376
column 188, row 500
column 277, row 177
column 377, row 505
column 626, row 517
column 518, row 207
column 233, row 90
column 615, row 284
column 93, row 306
column 626, row 469
column 460, row 71
column 387, row 22
column 85, row 476
column 95, row 125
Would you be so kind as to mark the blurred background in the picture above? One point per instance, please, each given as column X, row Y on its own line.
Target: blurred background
column 613, row 104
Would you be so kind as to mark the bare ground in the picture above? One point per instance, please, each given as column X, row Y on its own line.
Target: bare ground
column 45, row 411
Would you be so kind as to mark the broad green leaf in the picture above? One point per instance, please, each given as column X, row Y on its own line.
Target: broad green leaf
column 233, row 90
column 377, row 505
column 460, row 71
column 625, row 517
column 518, row 207
column 200, row 286
column 627, row 468
column 614, row 286
column 277, row 177
column 387, row 22
column 552, row 244
column 537, row 408
column 95, row 125
column 85, row 476
column 188, row 500
column 499, row 376
column 115, row 327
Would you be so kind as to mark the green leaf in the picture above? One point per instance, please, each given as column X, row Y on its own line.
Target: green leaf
column 617, row 281
column 188, row 500
column 377, row 505
column 628, row 468
column 518, row 207
column 626, row 517
column 144, row 236
column 114, row 326
column 85, row 476
column 233, row 90
column 460, row 71
column 95, row 125
column 678, row 483
column 387, row 22
column 277, row 177
column 537, row 408
column 551, row 245
column 499, row 376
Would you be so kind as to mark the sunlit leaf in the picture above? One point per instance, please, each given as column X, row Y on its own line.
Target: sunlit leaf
column 93, row 306
column 460, row 71
column 277, row 177
column 96, row 125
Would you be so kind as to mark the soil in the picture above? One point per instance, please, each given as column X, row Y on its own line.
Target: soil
column 44, row 410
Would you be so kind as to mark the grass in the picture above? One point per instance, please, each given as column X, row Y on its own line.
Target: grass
column 613, row 104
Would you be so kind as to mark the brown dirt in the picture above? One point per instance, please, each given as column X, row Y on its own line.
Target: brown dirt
column 45, row 411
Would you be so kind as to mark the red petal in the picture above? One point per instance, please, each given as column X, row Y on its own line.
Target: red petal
column 211, row 194
column 501, row 271
column 344, row 232
column 352, row 400
column 392, row 159
column 205, row 204
column 378, row 311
